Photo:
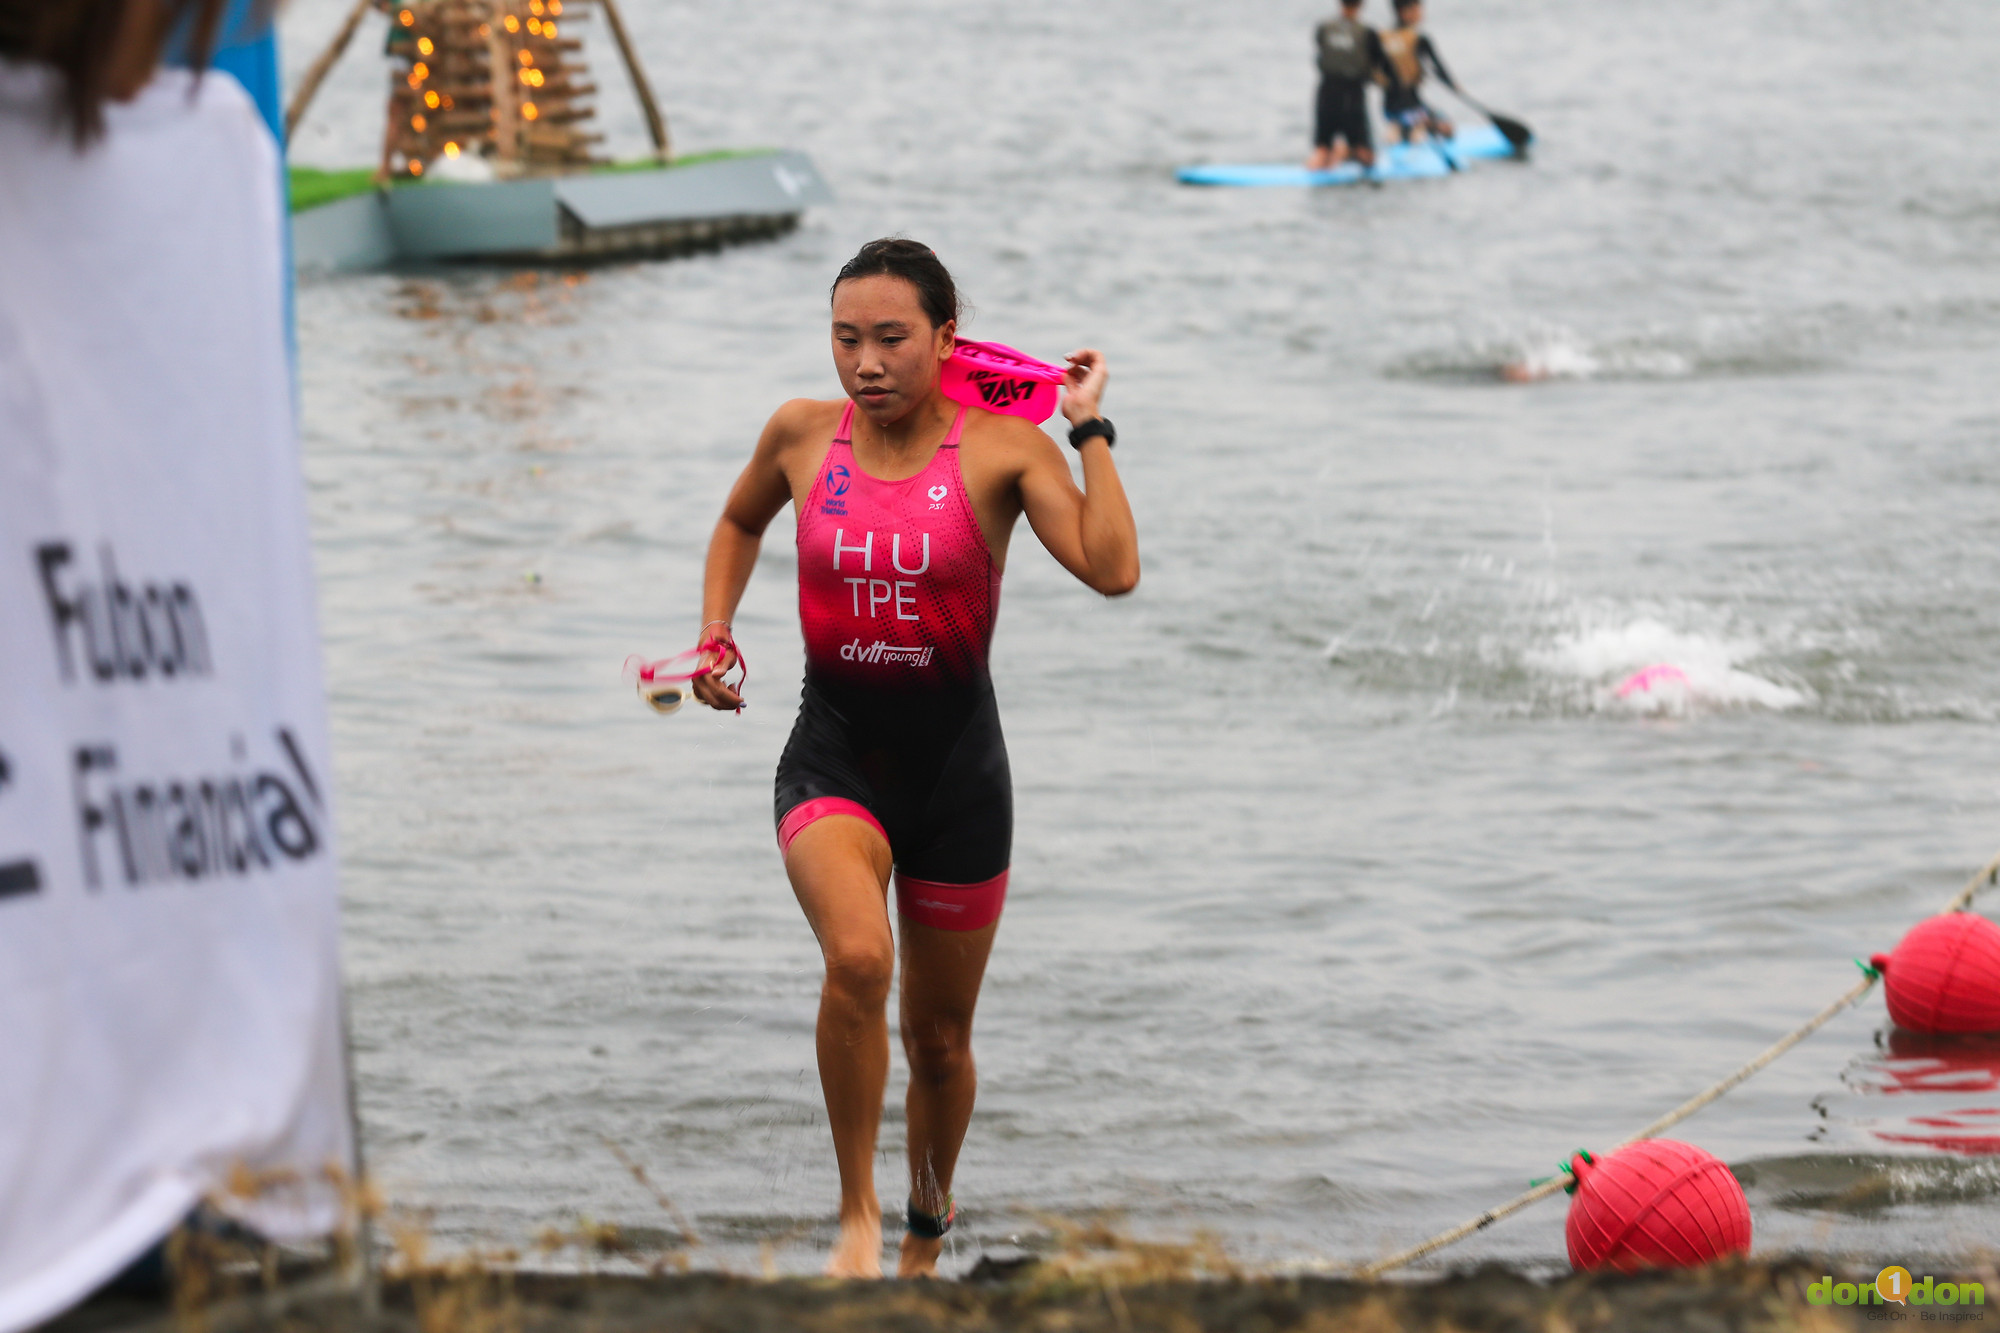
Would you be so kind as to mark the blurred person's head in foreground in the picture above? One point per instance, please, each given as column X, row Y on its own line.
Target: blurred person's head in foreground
column 104, row 50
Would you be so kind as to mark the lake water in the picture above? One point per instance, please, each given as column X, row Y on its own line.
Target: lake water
column 1347, row 893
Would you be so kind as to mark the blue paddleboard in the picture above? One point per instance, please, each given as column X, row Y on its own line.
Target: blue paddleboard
column 1397, row 162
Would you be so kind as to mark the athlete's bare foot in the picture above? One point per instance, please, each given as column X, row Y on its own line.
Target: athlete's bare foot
column 919, row 1257
column 858, row 1251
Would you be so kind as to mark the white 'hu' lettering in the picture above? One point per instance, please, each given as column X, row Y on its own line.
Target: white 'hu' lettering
column 896, row 554
column 866, row 550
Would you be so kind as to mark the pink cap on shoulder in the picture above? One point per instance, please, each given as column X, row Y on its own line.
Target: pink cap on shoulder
column 998, row 378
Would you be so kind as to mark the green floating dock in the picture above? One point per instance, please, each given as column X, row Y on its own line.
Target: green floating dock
column 342, row 221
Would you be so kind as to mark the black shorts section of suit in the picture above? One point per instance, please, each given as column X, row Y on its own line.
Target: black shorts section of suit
column 932, row 767
column 1341, row 111
column 1406, row 108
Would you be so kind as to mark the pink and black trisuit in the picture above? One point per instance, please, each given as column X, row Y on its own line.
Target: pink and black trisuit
column 897, row 723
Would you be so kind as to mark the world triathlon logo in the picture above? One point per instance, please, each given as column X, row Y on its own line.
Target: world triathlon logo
column 1894, row 1286
column 838, row 479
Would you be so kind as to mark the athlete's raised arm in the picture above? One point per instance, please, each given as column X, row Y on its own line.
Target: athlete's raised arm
column 759, row 493
column 1090, row 532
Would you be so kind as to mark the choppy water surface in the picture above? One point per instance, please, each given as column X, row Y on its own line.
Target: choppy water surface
column 1348, row 893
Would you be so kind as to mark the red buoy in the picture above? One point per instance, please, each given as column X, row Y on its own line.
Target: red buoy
column 1945, row 975
column 1655, row 1204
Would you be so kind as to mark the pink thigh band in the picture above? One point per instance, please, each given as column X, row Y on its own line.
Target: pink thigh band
column 810, row 812
column 951, row 906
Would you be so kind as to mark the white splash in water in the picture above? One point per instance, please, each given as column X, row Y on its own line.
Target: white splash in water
column 1647, row 666
column 1558, row 354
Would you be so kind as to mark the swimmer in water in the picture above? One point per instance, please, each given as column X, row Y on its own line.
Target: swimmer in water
column 905, row 502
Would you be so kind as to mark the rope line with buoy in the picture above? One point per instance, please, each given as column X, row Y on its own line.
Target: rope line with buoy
column 1580, row 1163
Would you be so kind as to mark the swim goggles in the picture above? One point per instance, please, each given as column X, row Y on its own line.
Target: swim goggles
column 668, row 683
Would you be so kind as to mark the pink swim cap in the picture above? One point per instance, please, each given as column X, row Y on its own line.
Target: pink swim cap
column 1000, row 379
column 1645, row 679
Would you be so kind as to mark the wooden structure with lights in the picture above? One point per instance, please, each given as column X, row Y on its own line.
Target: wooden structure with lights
column 492, row 100
column 496, row 79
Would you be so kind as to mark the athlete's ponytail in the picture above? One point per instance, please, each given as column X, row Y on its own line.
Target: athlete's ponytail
column 913, row 262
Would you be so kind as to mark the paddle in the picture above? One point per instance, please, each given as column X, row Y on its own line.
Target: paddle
column 1437, row 143
column 1517, row 135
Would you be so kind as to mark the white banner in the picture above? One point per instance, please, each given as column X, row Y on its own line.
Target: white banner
column 169, row 962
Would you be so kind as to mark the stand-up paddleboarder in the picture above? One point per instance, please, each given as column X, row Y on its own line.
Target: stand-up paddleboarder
column 1350, row 56
column 905, row 502
column 1407, row 52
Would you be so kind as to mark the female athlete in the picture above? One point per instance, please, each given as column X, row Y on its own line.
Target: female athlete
column 905, row 502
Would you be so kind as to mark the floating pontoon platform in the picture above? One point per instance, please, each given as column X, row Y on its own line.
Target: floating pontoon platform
column 580, row 218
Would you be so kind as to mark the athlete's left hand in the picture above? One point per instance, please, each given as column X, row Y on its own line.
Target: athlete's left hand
column 710, row 687
column 1083, row 388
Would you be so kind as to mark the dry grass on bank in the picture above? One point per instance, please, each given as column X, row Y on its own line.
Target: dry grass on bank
column 1096, row 1280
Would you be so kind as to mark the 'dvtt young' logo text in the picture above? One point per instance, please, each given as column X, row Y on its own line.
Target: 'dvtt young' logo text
column 886, row 653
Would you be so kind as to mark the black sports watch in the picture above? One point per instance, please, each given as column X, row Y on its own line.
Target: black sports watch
column 1084, row 431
